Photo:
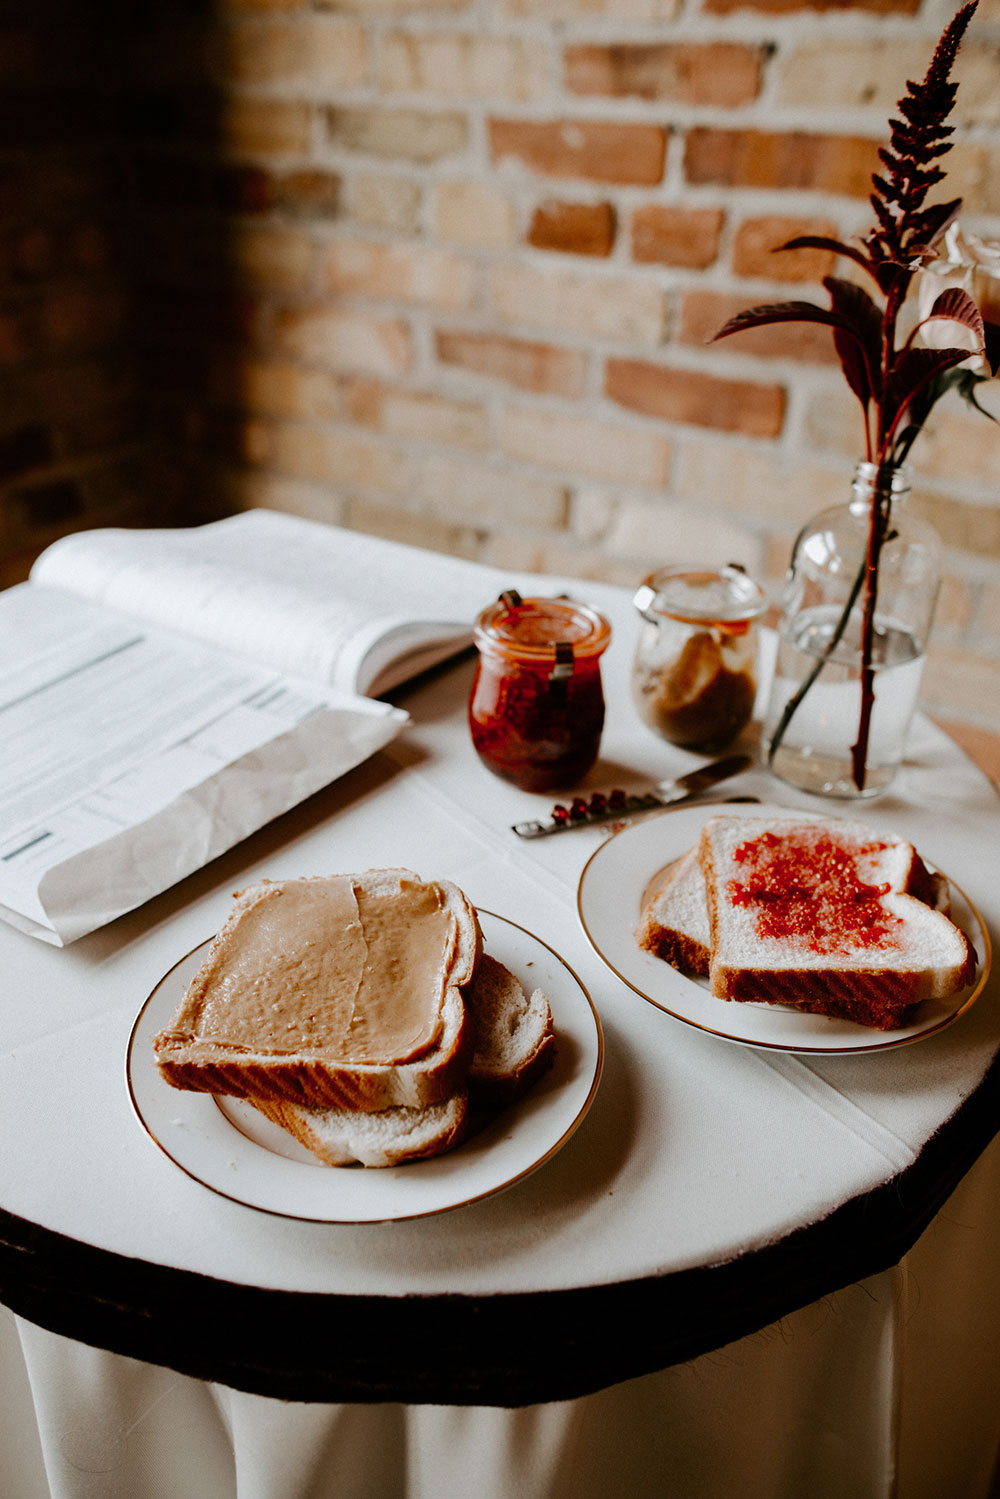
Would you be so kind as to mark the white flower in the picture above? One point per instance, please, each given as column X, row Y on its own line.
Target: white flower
column 973, row 265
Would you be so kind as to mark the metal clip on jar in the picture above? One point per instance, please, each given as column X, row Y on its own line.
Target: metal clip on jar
column 536, row 710
column 694, row 678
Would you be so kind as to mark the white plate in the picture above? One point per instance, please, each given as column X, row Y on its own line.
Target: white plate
column 609, row 898
column 227, row 1146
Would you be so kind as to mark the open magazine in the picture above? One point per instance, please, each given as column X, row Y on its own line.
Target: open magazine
column 165, row 693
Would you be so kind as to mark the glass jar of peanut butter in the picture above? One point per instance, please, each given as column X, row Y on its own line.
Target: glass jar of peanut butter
column 694, row 677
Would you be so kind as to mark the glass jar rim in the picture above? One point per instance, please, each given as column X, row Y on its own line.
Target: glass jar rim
column 869, row 475
column 700, row 595
column 506, row 626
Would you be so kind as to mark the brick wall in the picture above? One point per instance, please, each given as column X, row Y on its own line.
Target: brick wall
column 75, row 449
column 447, row 271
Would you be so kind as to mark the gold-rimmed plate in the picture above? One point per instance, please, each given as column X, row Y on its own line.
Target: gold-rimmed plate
column 609, row 898
column 227, row 1146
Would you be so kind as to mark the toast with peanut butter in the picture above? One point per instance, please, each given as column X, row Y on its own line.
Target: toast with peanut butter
column 513, row 1043
column 340, row 991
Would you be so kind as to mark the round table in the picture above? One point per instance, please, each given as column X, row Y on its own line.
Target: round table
column 711, row 1190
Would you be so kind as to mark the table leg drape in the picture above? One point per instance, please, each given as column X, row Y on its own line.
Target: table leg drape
column 885, row 1390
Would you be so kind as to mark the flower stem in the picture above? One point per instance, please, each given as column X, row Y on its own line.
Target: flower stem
column 828, row 649
column 878, row 526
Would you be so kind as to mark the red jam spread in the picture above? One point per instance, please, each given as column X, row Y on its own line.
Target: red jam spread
column 809, row 888
column 536, row 710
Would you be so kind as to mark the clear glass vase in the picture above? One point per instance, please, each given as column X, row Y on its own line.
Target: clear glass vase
column 861, row 574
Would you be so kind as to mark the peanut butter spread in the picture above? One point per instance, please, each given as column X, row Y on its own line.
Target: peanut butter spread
column 333, row 969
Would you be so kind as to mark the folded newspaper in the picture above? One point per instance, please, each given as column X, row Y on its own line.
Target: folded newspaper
column 165, row 693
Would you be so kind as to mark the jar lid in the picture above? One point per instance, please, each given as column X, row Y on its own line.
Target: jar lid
column 534, row 627
column 699, row 595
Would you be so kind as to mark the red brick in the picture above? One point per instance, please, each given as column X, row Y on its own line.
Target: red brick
column 756, row 241
column 601, row 150
column 703, row 313
column 306, row 194
column 399, row 270
column 82, row 316
column 725, row 74
column 629, row 310
column 749, row 158
column 242, row 188
column 336, row 338
column 684, row 395
column 575, row 228
column 419, row 414
column 266, row 127
column 529, row 366
column 412, row 135
column 779, row 7
column 664, row 234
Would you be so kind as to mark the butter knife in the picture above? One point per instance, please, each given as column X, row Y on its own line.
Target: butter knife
column 614, row 805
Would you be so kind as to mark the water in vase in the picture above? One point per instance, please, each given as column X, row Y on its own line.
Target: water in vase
column 814, row 752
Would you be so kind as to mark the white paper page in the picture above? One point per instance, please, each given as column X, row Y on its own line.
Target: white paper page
column 107, row 727
column 291, row 593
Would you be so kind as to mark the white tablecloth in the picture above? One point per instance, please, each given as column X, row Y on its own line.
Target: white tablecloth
column 887, row 1388
column 695, row 1151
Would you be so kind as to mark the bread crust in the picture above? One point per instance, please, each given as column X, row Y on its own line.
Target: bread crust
column 513, row 1039
column 392, row 1137
column 882, row 998
column 665, row 921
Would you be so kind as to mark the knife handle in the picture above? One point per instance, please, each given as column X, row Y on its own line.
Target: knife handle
column 582, row 813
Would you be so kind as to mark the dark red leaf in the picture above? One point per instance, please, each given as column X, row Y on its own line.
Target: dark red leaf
column 912, row 371
column 908, row 175
column 774, row 312
column 822, row 242
column 858, row 339
column 785, row 312
column 958, row 307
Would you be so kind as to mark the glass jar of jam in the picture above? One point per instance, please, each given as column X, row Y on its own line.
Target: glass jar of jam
column 694, row 677
column 536, row 710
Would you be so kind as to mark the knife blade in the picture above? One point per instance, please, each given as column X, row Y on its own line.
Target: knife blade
column 615, row 805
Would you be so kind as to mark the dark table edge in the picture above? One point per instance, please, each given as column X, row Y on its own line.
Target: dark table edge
column 501, row 1350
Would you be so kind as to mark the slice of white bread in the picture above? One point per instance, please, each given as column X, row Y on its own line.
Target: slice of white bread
column 258, row 951
column 673, row 920
column 513, row 1044
column 390, row 1137
column 829, row 917
column 673, row 917
column 513, row 1040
